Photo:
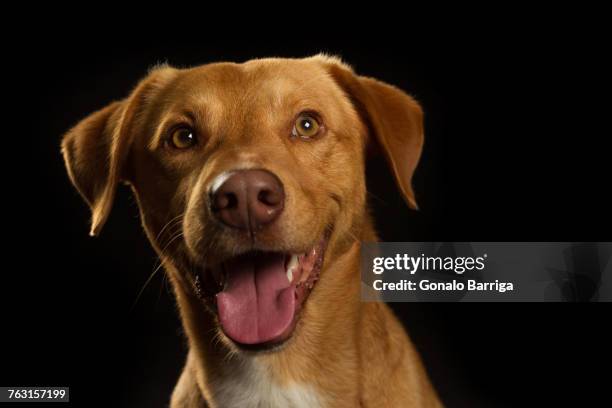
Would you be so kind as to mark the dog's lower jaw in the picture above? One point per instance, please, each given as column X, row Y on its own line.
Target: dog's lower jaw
column 339, row 356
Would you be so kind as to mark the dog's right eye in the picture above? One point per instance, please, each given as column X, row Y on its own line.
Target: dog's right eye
column 182, row 138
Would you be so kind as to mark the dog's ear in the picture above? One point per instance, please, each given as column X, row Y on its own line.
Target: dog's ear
column 393, row 117
column 91, row 154
column 95, row 150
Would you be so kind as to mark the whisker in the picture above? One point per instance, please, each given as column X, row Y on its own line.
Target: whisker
column 376, row 197
column 168, row 224
column 180, row 234
column 171, row 231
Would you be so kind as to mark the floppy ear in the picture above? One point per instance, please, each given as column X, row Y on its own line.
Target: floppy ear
column 393, row 117
column 95, row 150
column 91, row 156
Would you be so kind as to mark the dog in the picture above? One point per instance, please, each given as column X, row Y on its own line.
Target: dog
column 250, row 181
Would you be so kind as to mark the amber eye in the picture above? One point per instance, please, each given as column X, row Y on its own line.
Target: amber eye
column 306, row 126
column 182, row 138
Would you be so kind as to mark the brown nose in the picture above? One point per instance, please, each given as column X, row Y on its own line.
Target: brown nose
column 248, row 199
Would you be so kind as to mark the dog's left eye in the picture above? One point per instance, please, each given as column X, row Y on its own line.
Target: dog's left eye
column 306, row 126
column 182, row 138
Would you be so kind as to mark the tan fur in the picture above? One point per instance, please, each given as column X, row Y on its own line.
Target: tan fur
column 343, row 353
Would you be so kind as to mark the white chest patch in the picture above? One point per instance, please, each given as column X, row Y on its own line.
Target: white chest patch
column 249, row 386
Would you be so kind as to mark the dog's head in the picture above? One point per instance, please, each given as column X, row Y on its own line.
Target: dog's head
column 249, row 177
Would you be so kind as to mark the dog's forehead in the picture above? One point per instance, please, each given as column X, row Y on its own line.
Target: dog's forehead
column 269, row 81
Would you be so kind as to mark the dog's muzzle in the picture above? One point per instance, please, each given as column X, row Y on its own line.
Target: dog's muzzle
column 247, row 199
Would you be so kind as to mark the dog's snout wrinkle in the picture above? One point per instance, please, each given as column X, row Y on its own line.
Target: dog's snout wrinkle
column 247, row 199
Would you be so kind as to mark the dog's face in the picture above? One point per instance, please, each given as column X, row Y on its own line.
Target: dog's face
column 249, row 177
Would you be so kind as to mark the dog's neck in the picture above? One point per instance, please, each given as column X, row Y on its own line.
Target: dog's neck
column 323, row 345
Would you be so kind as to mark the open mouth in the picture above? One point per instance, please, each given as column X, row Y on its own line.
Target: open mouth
column 260, row 294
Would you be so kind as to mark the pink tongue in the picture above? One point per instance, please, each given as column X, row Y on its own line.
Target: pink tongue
column 258, row 302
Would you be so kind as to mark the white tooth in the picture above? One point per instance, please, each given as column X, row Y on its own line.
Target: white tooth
column 291, row 266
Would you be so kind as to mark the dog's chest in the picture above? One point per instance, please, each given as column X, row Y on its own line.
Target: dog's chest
column 250, row 387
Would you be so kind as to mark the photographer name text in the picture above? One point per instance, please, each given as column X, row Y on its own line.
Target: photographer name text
column 405, row 263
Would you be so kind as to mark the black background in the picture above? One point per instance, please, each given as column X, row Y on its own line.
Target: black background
column 513, row 153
